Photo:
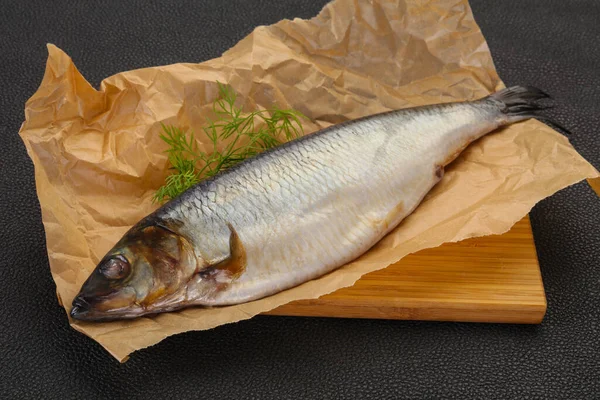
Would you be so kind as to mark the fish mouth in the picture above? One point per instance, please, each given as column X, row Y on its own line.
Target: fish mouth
column 82, row 310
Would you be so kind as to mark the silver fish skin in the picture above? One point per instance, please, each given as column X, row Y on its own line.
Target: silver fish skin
column 307, row 207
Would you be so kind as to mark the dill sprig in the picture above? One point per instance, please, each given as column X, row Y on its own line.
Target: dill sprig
column 244, row 134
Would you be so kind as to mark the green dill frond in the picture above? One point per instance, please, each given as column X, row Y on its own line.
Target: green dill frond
column 239, row 130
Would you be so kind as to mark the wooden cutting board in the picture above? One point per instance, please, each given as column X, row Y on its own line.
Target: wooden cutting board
column 486, row 279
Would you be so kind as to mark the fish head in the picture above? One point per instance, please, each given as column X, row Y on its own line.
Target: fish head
column 144, row 273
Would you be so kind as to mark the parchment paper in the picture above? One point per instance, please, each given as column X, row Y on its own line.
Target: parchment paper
column 98, row 157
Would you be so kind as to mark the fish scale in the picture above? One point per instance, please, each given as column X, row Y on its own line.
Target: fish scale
column 290, row 214
column 339, row 242
column 321, row 184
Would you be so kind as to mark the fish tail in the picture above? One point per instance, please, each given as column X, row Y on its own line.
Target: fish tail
column 520, row 102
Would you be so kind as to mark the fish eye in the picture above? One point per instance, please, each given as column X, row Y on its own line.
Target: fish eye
column 115, row 268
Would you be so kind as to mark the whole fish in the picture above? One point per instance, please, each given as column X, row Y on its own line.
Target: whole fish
column 290, row 214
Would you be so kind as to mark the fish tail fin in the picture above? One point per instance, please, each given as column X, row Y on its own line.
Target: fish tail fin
column 519, row 103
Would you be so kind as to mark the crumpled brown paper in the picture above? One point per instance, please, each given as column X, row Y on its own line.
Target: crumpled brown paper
column 98, row 157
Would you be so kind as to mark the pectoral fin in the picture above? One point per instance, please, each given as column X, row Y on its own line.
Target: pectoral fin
column 234, row 265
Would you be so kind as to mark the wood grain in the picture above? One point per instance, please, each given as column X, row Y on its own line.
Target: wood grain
column 486, row 279
column 595, row 184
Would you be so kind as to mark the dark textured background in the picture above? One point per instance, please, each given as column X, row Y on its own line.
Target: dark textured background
column 550, row 44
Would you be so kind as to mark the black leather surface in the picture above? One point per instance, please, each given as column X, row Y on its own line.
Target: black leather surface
column 550, row 44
